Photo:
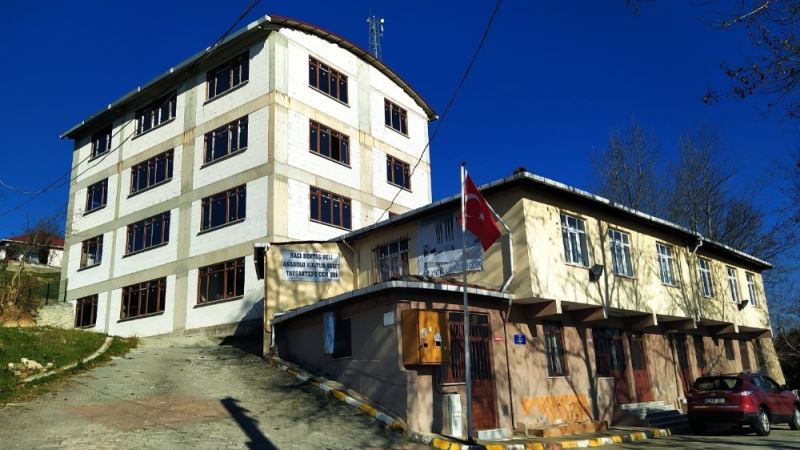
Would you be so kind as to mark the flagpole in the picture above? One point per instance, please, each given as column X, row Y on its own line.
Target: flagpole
column 467, row 362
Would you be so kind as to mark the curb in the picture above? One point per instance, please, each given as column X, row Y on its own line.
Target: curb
column 94, row 355
column 328, row 387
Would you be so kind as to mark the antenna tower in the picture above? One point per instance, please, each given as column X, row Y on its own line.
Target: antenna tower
column 375, row 35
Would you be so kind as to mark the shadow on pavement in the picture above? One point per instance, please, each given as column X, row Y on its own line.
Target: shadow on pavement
column 247, row 424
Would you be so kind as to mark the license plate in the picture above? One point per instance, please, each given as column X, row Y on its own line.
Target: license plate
column 715, row 401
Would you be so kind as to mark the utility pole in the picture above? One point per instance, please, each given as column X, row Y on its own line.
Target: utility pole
column 375, row 35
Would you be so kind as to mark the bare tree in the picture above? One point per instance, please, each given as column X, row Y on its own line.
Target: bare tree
column 626, row 169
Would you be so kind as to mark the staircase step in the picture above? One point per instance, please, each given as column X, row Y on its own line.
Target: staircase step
column 654, row 415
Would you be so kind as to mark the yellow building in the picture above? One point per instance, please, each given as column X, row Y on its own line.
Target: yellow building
column 585, row 309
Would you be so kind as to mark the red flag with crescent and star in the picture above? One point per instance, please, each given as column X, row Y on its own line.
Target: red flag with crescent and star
column 480, row 219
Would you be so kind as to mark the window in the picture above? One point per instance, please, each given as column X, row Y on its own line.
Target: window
column 573, row 232
column 391, row 260
column 152, row 172
column 666, row 264
column 101, row 142
column 330, row 208
column 554, row 349
column 224, row 208
column 92, row 251
column 700, row 353
column 228, row 76
column 480, row 349
column 141, row 299
column 398, row 173
column 221, row 281
column 395, row 117
column 96, row 195
column 751, row 288
column 729, row 355
column 337, row 335
column 86, row 312
column 156, row 113
column 621, row 252
column 148, row 233
column 704, row 266
column 329, row 143
column 733, row 283
column 327, row 80
column 609, row 351
column 744, row 353
column 226, row 140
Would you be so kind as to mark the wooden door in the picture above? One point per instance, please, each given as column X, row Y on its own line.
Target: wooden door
column 610, row 359
column 683, row 362
column 641, row 376
column 484, row 409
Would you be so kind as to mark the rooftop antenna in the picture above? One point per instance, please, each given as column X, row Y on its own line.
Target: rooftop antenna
column 375, row 35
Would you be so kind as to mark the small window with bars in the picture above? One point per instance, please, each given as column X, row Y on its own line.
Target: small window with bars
column 554, row 349
column 391, row 260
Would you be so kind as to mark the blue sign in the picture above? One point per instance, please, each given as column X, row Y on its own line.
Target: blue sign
column 519, row 339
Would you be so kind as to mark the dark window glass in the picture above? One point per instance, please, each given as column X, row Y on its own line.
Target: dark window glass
column 96, row 195
column 101, row 142
column 328, row 142
column 744, row 353
column 226, row 140
column 86, row 312
column 92, row 251
column 609, row 351
column 152, row 172
column 221, row 281
column 148, row 233
column 224, row 208
column 729, row 355
column 228, row 75
column 391, row 260
column 554, row 349
column 700, row 353
column 329, row 208
column 720, row 383
column 398, row 172
column 395, row 117
column 327, row 80
column 145, row 298
column 156, row 113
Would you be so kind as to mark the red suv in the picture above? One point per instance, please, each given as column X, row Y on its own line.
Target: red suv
column 745, row 398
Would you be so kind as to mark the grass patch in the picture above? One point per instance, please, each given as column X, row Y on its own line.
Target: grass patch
column 43, row 283
column 49, row 345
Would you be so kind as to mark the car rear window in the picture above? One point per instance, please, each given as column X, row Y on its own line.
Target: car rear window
column 716, row 383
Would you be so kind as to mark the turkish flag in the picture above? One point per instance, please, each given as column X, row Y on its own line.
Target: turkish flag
column 480, row 220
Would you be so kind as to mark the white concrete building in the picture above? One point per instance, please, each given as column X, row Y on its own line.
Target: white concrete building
column 283, row 132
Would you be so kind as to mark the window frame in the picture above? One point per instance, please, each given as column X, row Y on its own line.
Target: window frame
column 315, row 80
column 236, row 130
column 233, row 203
column 750, row 280
column 733, row 283
column 240, row 62
column 396, row 255
column 581, row 240
column 233, row 267
column 97, row 242
column 668, row 259
column 392, row 163
column 553, row 336
column 706, row 275
column 344, row 203
column 145, row 287
column 81, row 304
column 340, row 329
column 90, row 192
column 151, row 168
column 730, row 355
column 148, row 229
column 344, row 142
column 153, row 113
column 101, row 138
column 389, row 109
column 623, row 245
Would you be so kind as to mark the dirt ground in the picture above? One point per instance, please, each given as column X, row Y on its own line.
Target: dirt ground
column 189, row 392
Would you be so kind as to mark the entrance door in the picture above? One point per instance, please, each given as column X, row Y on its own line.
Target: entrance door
column 641, row 377
column 610, row 358
column 683, row 362
column 484, row 410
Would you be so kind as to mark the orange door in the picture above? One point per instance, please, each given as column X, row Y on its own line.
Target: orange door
column 641, row 376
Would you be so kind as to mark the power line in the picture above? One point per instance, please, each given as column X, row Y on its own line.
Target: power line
column 450, row 103
column 56, row 184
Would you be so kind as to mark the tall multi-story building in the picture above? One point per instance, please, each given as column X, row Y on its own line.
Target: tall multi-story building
column 281, row 132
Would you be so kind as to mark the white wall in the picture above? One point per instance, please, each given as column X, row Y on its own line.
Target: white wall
column 90, row 275
column 152, row 196
column 145, row 326
column 148, row 258
column 300, row 225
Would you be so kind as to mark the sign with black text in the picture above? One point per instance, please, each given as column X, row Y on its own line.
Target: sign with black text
column 310, row 266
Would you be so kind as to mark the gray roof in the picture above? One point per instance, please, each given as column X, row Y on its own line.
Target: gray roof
column 112, row 110
column 531, row 179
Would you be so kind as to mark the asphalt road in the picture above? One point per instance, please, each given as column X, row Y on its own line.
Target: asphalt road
column 781, row 437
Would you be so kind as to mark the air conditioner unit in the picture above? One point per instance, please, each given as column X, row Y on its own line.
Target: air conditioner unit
column 452, row 425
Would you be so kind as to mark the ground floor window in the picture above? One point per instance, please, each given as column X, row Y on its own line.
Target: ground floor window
column 86, row 312
column 480, row 349
column 729, row 354
column 700, row 354
column 554, row 349
column 391, row 260
column 609, row 351
column 145, row 298
column 338, row 341
column 745, row 355
column 221, row 281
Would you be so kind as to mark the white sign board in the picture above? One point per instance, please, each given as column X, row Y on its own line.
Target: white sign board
column 310, row 266
column 440, row 247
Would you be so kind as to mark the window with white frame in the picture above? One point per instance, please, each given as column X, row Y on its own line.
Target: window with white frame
column 751, row 288
column 704, row 267
column 621, row 252
column 666, row 264
column 733, row 283
column 573, row 232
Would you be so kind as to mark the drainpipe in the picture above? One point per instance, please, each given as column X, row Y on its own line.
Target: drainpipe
column 697, row 246
column 508, row 367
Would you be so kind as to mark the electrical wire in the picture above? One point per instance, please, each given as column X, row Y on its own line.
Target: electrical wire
column 449, row 104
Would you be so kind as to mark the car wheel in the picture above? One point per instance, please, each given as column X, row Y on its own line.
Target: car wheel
column 697, row 427
column 761, row 424
column 795, row 422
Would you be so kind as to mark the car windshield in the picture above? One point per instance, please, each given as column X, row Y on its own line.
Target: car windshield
column 716, row 383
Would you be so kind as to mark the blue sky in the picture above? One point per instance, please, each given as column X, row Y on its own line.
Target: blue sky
column 552, row 81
